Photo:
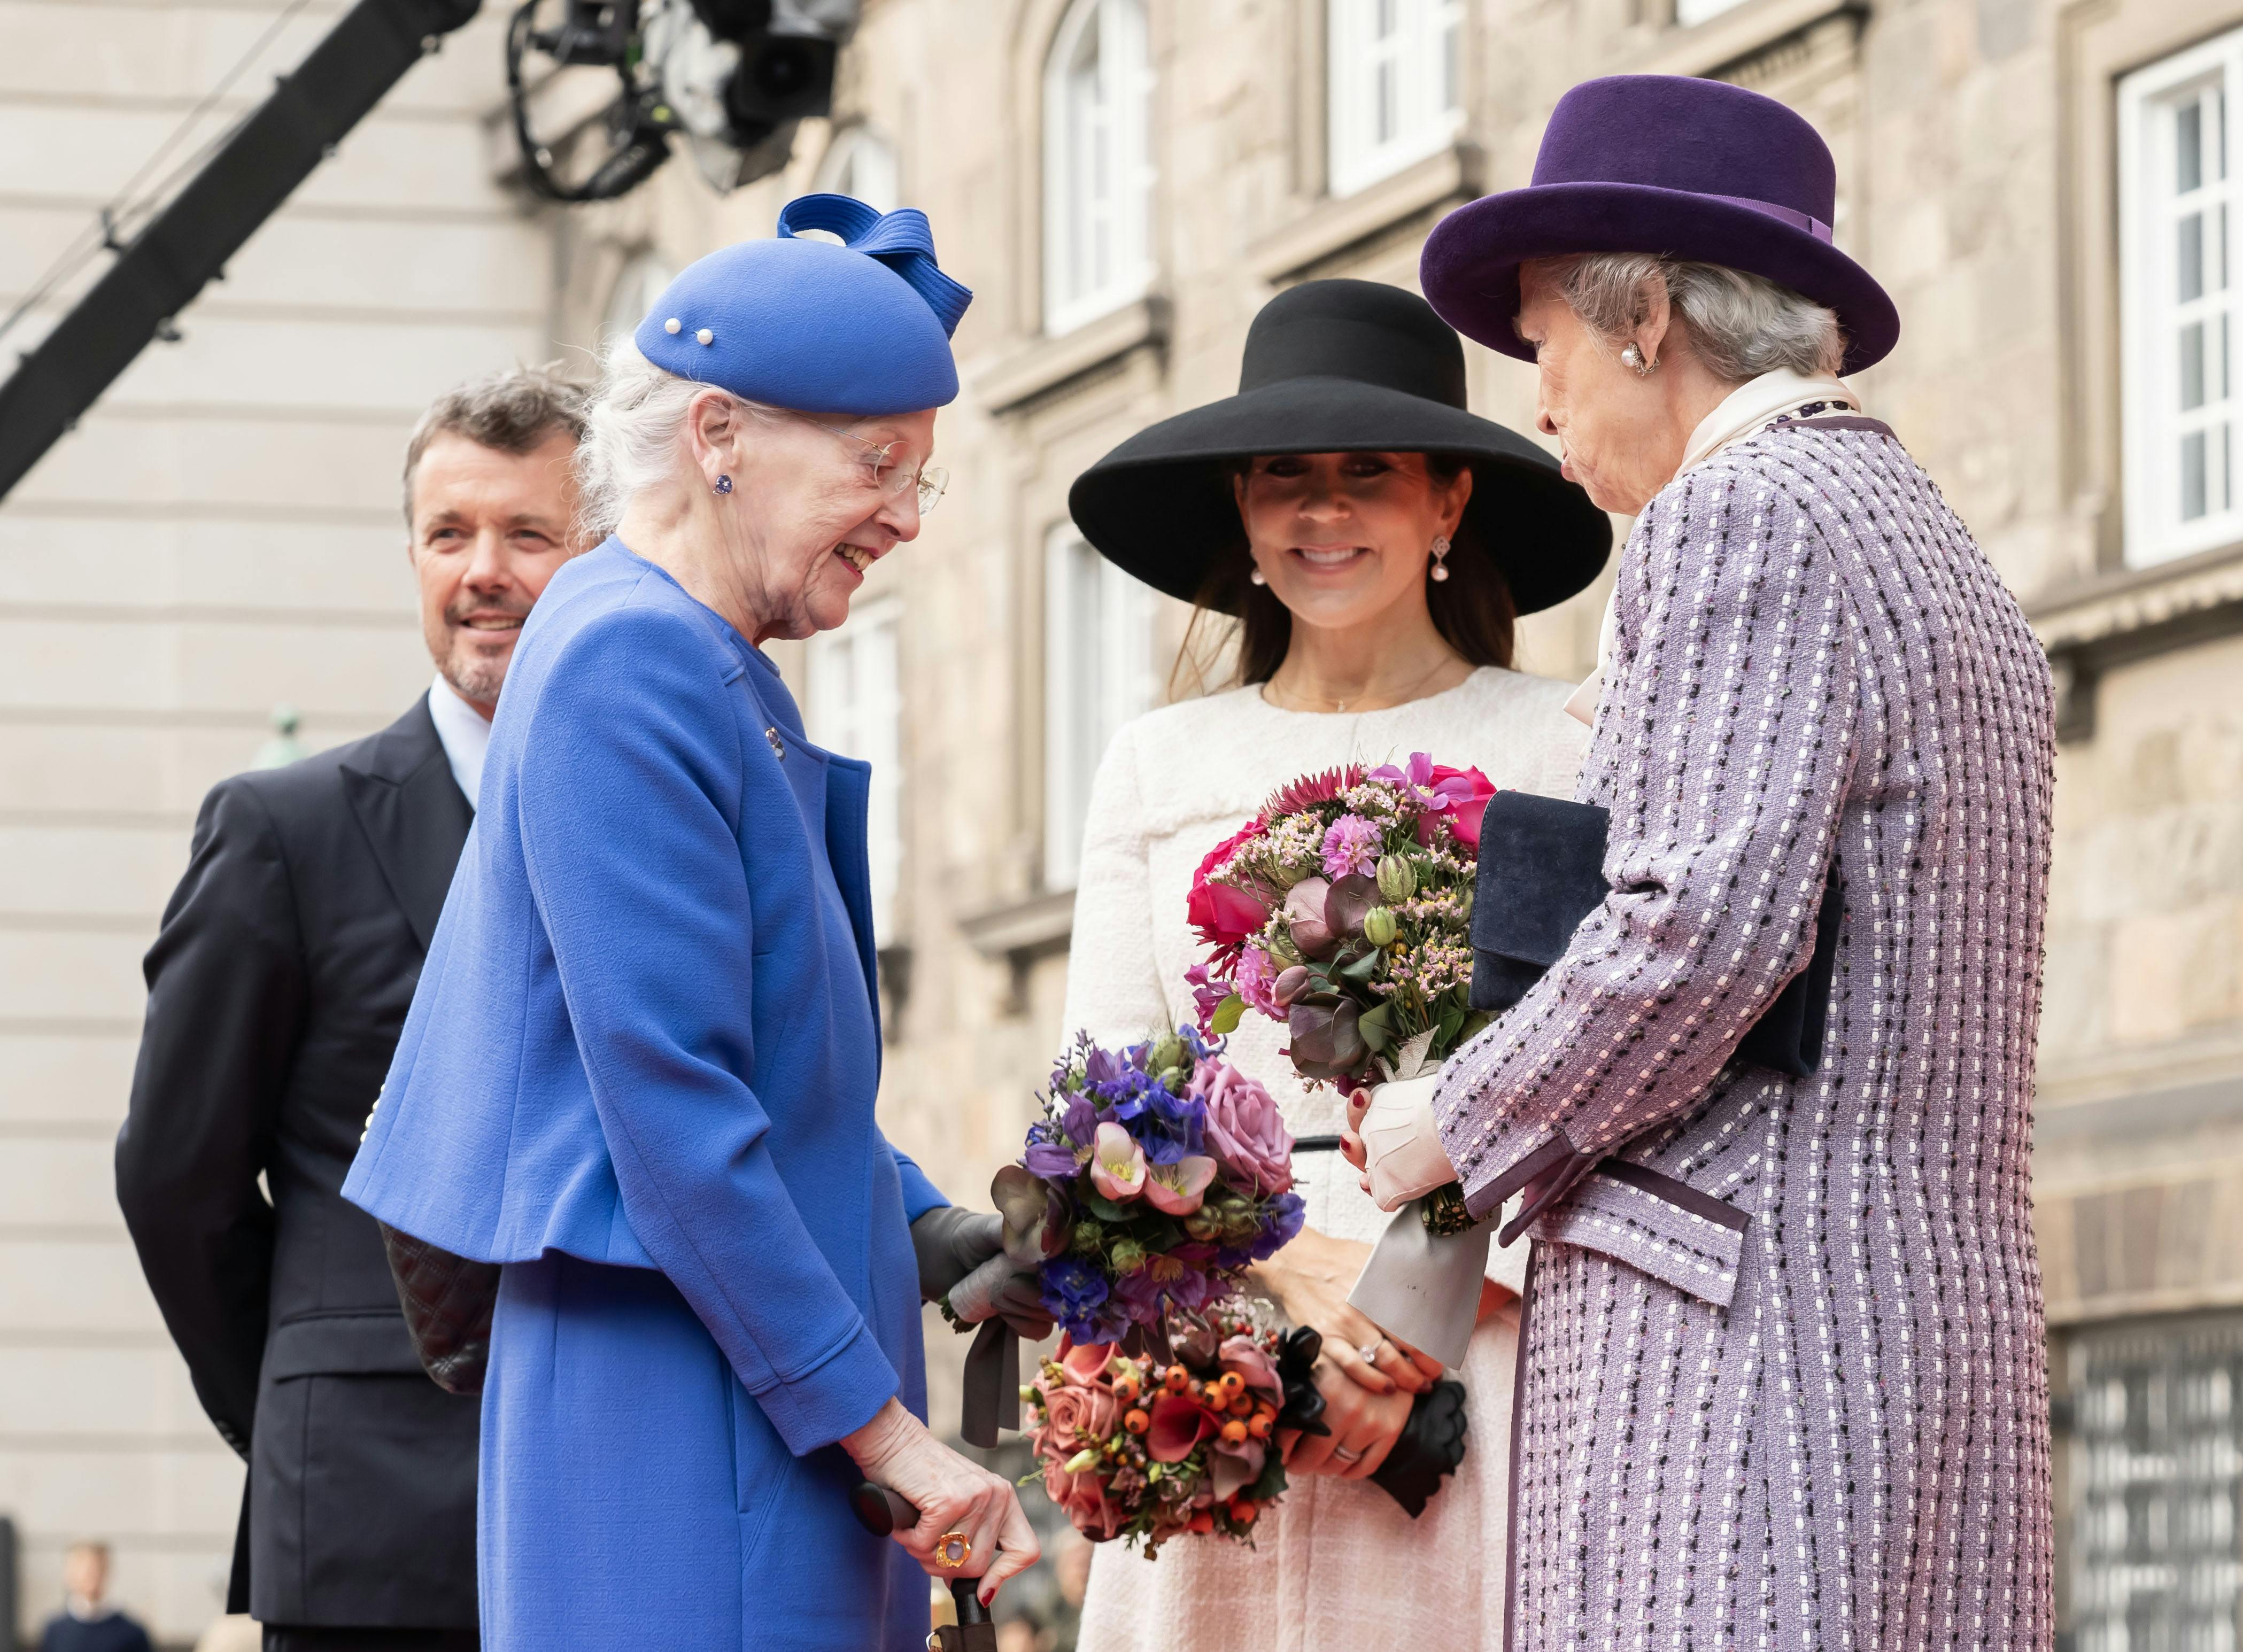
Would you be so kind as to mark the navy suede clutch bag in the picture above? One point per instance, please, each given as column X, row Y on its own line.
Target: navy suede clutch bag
column 1542, row 872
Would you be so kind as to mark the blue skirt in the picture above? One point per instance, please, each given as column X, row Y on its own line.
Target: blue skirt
column 633, row 1495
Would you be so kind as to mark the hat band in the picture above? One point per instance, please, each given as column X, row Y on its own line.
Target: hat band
column 1798, row 221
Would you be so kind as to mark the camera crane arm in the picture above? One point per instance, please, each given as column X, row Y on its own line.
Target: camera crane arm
column 186, row 245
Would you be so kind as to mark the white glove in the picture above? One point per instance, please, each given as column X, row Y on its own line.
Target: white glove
column 1401, row 1145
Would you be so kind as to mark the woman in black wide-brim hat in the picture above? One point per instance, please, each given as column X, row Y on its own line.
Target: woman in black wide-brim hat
column 1376, row 542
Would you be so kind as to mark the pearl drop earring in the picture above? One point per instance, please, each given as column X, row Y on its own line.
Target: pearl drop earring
column 1258, row 578
column 1440, row 570
column 1633, row 357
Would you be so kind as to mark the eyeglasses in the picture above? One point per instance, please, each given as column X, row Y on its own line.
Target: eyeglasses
column 890, row 477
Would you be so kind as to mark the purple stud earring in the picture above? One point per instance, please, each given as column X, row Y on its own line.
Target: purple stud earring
column 724, row 485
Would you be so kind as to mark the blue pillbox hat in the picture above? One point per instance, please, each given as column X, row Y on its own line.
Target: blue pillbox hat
column 861, row 329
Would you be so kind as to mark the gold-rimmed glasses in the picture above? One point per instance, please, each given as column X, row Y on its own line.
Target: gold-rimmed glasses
column 932, row 481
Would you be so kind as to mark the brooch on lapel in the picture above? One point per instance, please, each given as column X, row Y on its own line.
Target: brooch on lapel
column 777, row 746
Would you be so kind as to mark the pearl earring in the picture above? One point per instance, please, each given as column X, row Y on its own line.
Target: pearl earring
column 1440, row 570
column 1258, row 578
column 1633, row 357
column 724, row 485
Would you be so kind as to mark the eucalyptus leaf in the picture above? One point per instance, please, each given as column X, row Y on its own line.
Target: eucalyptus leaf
column 1104, row 1208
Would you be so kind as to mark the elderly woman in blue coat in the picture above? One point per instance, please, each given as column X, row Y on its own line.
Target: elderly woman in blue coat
column 640, row 1069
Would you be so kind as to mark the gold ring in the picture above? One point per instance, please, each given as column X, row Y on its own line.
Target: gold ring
column 951, row 1550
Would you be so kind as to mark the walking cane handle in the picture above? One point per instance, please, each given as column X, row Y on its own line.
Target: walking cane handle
column 883, row 1512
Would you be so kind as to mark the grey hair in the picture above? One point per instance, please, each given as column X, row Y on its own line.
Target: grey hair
column 1741, row 326
column 515, row 411
column 635, row 430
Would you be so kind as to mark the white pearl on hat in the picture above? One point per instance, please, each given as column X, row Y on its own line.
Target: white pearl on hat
column 705, row 336
column 672, row 324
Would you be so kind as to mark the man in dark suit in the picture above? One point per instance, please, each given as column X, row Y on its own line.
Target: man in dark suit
column 276, row 992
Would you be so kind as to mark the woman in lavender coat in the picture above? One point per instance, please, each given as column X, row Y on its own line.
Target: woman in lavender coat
column 1783, row 1379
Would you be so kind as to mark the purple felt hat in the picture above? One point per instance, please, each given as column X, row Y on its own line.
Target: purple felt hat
column 1694, row 169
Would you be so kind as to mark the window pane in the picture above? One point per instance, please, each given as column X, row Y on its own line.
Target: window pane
column 2192, row 476
column 2156, row 1434
column 2192, row 366
column 2188, row 147
column 2188, row 260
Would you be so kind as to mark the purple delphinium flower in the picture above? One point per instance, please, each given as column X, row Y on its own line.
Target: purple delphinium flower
column 1285, row 1214
column 1351, row 845
column 1073, row 1292
column 1078, row 1119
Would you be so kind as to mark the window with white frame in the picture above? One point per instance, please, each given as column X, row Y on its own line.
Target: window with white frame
column 1098, row 169
column 2179, row 204
column 859, row 162
column 1098, row 674
column 1687, row 12
column 1393, row 95
column 856, row 708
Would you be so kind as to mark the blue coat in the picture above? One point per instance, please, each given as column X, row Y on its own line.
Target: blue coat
column 640, row 1070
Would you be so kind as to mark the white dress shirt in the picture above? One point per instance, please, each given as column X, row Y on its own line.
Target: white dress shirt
column 465, row 734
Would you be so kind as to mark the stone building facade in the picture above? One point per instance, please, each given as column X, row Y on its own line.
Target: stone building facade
column 1123, row 183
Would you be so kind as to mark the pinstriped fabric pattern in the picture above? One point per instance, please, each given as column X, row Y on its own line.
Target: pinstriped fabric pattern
column 1844, row 1445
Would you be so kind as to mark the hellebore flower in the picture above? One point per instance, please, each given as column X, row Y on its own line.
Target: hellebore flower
column 1117, row 1164
column 1177, row 1189
column 1025, row 1203
column 1347, row 904
column 1305, row 906
column 1287, row 987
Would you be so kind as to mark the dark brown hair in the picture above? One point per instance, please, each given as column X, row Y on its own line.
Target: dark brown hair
column 1471, row 609
column 515, row 411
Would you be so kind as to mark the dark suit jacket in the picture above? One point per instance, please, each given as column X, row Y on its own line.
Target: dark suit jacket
column 276, row 990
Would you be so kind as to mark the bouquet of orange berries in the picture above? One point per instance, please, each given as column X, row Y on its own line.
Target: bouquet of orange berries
column 1145, row 1450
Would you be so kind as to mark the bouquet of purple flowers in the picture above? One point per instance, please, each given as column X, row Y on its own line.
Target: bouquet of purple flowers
column 1157, row 1176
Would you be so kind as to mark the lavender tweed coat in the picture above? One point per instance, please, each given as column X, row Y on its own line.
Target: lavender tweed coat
column 1788, row 1390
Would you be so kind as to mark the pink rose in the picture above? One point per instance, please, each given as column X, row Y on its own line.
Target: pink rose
column 1224, row 915
column 1461, row 794
column 1244, row 1129
column 1082, row 1499
column 1074, row 1418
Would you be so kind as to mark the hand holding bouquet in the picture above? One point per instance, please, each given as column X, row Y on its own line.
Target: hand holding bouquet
column 1343, row 910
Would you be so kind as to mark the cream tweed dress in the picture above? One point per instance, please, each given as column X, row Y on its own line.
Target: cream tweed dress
column 1336, row 1567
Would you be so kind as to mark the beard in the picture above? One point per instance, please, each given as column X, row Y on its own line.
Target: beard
column 474, row 662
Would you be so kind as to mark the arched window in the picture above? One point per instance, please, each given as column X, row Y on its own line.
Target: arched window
column 1098, row 171
column 1394, row 96
column 859, row 162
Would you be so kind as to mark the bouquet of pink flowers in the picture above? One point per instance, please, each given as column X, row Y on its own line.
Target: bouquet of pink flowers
column 1343, row 910
column 1142, row 1449
column 1157, row 1176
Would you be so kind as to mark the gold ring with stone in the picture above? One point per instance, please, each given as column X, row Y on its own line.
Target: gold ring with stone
column 951, row 1550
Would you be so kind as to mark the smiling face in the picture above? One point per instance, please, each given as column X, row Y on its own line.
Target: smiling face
column 490, row 528
column 1623, row 437
column 1343, row 538
column 814, row 504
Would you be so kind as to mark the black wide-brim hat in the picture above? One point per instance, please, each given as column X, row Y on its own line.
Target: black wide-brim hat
column 1695, row 170
column 1338, row 366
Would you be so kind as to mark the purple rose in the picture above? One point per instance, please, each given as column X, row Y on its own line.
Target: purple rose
column 1245, row 1131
